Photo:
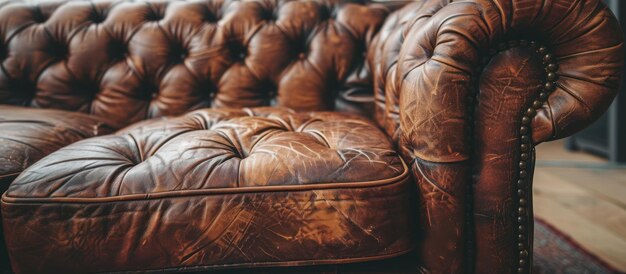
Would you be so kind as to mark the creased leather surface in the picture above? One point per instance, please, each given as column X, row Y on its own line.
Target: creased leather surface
column 383, row 58
column 441, row 227
column 404, row 264
column 213, row 188
column 128, row 61
column 27, row 135
column 514, row 76
column 436, row 72
column 436, row 62
column 216, row 149
column 4, row 255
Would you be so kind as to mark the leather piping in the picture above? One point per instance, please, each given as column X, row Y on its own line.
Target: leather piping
column 272, row 264
column 216, row 191
column 9, row 175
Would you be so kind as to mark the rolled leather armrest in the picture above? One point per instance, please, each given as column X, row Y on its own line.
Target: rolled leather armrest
column 482, row 82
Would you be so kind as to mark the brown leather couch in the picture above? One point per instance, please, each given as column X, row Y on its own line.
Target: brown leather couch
column 246, row 134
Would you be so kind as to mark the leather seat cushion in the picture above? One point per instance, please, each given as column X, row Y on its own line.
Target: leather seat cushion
column 27, row 135
column 214, row 189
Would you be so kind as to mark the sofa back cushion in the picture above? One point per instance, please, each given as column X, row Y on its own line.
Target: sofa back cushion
column 383, row 59
column 128, row 61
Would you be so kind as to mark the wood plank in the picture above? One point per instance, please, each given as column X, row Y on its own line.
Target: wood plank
column 607, row 185
column 596, row 224
column 576, row 198
column 555, row 151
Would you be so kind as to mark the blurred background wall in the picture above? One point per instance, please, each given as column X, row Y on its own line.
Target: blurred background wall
column 607, row 137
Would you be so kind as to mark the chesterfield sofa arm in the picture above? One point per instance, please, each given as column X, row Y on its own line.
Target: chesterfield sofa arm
column 477, row 85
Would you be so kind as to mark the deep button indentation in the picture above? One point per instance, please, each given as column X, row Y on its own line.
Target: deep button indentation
column 178, row 53
column 117, row 50
column 209, row 17
column 236, row 154
column 27, row 90
column 238, row 52
column 209, row 90
column 301, row 50
column 58, row 49
column 269, row 15
column 86, row 89
column 325, row 13
column 272, row 92
column 153, row 16
column 97, row 18
column 149, row 91
column 361, row 48
column 38, row 16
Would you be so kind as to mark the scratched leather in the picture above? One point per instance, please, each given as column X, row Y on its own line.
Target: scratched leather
column 383, row 58
column 440, row 53
column 151, row 217
column 27, row 135
column 129, row 61
column 436, row 61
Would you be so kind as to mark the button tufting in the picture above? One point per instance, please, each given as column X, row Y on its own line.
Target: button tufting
column 86, row 89
column 153, row 16
column 153, row 51
column 38, row 16
column 169, row 161
column 324, row 13
column 268, row 15
column 178, row 53
column 58, row 49
column 27, row 89
column 117, row 50
column 149, row 91
column 238, row 52
column 209, row 17
column 97, row 18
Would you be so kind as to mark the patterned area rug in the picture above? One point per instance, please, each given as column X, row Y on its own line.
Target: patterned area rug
column 558, row 253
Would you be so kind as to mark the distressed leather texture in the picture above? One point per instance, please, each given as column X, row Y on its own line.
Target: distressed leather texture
column 128, row 61
column 465, row 148
column 27, row 135
column 199, row 191
column 265, row 133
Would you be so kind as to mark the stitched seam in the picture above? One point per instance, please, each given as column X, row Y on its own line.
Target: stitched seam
column 6, row 199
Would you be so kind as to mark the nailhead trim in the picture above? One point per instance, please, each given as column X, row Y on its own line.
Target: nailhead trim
column 522, row 190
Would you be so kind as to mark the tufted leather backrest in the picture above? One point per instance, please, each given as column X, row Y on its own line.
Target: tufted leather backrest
column 383, row 59
column 128, row 61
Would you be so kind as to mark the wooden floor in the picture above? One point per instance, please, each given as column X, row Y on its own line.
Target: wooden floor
column 584, row 197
